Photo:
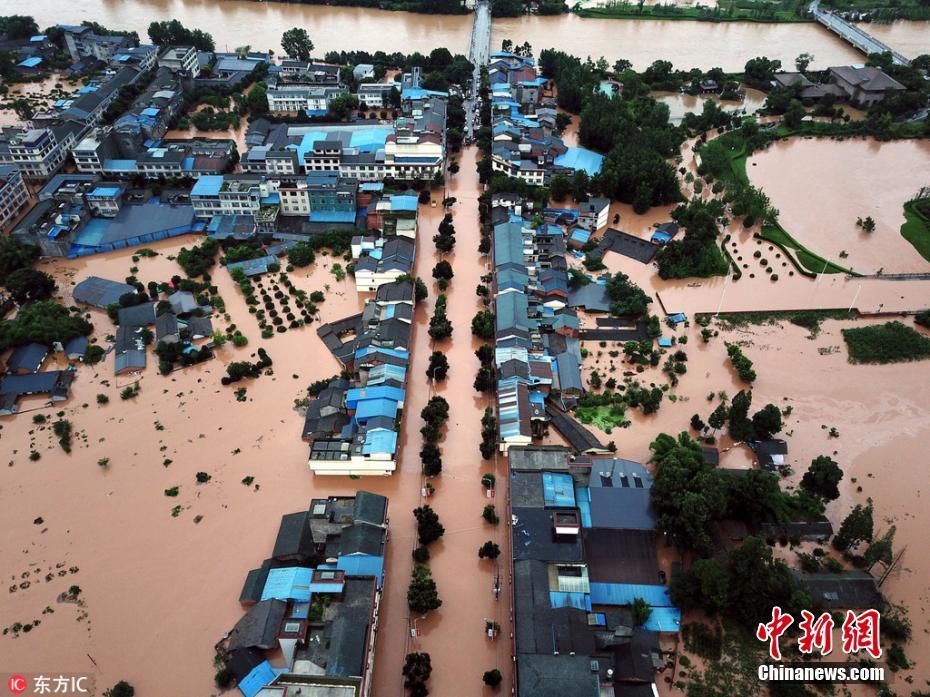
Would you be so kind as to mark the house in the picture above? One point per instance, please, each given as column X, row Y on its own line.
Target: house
column 166, row 329
column 593, row 214
column 100, row 292
column 75, row 349
column 56, row 384
column 848, row 590
column 129, row 349
column 771, row 453
column 27, row 359
column 863, row 85
column 82, row 42
column 363, row 71
column 389, row 261
column 38, row 153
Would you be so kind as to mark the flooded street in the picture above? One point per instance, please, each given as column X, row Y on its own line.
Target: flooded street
column 867, row 179
column 136, row 561
column 704, row 45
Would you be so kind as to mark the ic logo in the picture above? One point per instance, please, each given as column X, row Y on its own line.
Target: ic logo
column 17, row 684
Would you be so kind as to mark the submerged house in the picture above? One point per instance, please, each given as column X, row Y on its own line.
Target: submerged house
column 313, row 607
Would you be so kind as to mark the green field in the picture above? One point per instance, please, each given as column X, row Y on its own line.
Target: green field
column 916, row 228
column 891, row 342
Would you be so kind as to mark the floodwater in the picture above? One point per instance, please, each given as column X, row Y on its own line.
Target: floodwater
column 866, row 178
column 139, row 565
column 910, row 38
column 680, row 103
column 687, row 44
column 879, row 412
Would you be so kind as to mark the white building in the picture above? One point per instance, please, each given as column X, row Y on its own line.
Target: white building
column 182, row 60
column 374, row 94
column 292, row 98
column 13, row 194
column 39, row 152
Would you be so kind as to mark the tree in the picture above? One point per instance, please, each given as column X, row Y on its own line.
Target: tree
column 341, row 106
column 120, row 689
column 867, row 223
column 431, row 458
column 758, row 72
column 697, row 424
column 43, row 322
column 256, row 100
column 29, row 285
column 741, row 428
column 489, row 550
column 15, row 255
column 803, row 61
column 641, row 612
column 443, row 269
column 173, row 33
column 417, row 669
column 794, row 114
column 422, row 595
column 492, row 678
column 855, row 528
column 686, row 492
column 705, row 585
column 490, row 515
column 429, row 529
column 718, row 417
column 627, row 298
column 483, row 325
column 881, row 550
column 767, row 421
column 18, row 26
column 297, row 44
column 438, row 366
column 822, row 478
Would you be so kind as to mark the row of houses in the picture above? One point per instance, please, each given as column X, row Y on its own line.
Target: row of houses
column 353, row 424
column 524, row 137
column 314, row 604
column 583, row 550
column 862, row 85
column 537, row 345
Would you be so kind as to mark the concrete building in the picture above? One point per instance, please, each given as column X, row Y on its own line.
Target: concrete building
column 313, row 99
column 13, row 194
column 82, row 42
column 864, row 85
column 374, row 95
column 38, row 153
column 181, row 60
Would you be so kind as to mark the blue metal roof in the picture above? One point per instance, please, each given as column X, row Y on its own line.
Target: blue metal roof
column 580, row 158
column 386, row 371
column 558, row 489
column 380, row 441
column 664, row 619
column 626, row 593
column 404, row 203
column 360, row 394
column 583, row 495
column 370, row 408
column 258, row 677
column 362, row 565
column 119, row 165
column 292, row 583
column 319, row 216
column 30, row 62
column 208, row 185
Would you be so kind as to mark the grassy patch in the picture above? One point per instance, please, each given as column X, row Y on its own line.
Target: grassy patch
column 891, row 342
column 916, row 228
column 809, row 262
column 605, row 417
column 808, row 319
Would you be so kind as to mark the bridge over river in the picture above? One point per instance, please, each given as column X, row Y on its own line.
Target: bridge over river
column 854, row 34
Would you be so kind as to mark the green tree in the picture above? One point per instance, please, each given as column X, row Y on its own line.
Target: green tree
column 29, row 285
column 881, row 550
column 741, row 428
column 297, row 44
column 438, row 366
column 120, row 689
column 489, row 550
column 767, row 421
column 822, row 478
column 855, row 528
column 15, row 255
column 422, row 595
column 641, row 612
column 483, row 325
column 627, row 298
column 429, row 529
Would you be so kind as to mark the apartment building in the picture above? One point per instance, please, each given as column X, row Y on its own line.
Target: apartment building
column 13, row 194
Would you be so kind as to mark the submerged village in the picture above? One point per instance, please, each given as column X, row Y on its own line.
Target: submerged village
column 478, row 365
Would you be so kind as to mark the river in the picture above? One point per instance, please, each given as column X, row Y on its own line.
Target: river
column 687, row 44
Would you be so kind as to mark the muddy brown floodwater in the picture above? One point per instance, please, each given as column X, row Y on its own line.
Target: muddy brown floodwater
column 705, row 45
column 180, row 580
column 821, row 187
column 879, row 412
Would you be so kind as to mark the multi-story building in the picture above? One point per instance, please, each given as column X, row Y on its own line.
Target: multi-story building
column 90, row 103
column 323, row 197
column 82, row 42
column 375, row 95
column 292, row 98
column 142, row 57
column 152, row 112
column 13, row 194
column 181, row 60
column 38, row 152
